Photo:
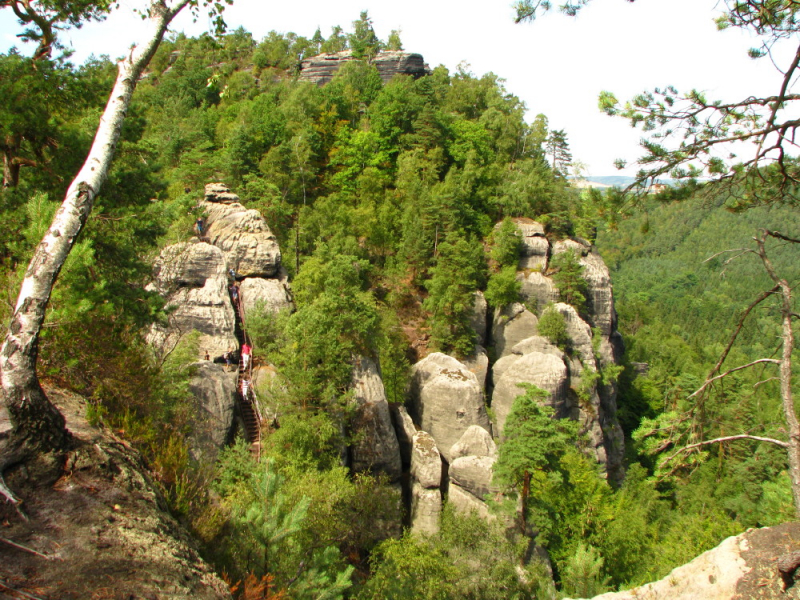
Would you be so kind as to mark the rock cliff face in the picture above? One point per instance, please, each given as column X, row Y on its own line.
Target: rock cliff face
column 320, row 69
column 194, row 278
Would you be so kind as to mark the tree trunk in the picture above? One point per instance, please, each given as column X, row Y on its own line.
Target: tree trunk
column 10, row 168
column 35, row 423
column 787, row 401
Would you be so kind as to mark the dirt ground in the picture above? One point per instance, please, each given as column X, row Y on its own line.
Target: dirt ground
column 96, row 528
column 766, row 547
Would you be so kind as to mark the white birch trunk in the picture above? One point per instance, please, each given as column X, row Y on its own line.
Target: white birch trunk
column 27, row 417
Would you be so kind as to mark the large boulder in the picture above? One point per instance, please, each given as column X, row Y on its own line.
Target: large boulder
column 511, row 325
column 375, row 448
column 192, row 278
column 243, row 235
column 214, row 391
column 600, row 297
column 446, row 399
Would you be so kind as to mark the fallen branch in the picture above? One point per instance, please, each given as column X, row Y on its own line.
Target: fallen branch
column 15, row 591
column 26, row 549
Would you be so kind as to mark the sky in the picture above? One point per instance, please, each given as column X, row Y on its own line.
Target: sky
column 556, row 65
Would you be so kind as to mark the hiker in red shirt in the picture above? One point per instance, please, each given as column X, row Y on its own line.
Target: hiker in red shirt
column 246, row 350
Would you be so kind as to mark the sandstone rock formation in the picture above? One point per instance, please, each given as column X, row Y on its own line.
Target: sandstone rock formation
column 320, row 69
column 537, row 290
column 192, row 278
column 445, row 399
column 375, row 448
column 478, row 319
column 511, row 325
column 426, row 462
column 249, row 246
column 742, row 566
column 476, row 441
column 102, row 522
column 426, row 509
column 272, row 294
column 405, row 430
column 535, row 247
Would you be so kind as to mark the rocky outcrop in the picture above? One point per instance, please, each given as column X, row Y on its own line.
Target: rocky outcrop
column 375, row 448
column 214, row 391
column 473, row 474
column 320, row 69
column 742, row 566
column 535, row 247
column 426, row 509
column 464, row 502
column 192, row 278
column 243, row 235
column 272, row 294
column 476, row 441
column 101, row 521
column 426, row 462
column 445, row 399
column 511, row 325
column 537, row 290
column 544, row 370
column 478, row 364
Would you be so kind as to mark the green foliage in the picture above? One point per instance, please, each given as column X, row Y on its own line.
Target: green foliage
column 583, row 573
column 503, row 287
column 506, row 244
column 568, row 277
column 469, row 558
column 533, row 440
column 553, row 326
column 460, row 269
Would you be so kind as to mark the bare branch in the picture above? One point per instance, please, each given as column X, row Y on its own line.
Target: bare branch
column 727, row 438
column 26, row 549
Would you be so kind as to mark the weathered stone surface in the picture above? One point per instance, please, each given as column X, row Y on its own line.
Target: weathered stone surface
column 474, row 474
column 446, row 398
column 273, row 294
column 478, row 363
column 320, row 69
column 376, row 448
column 191, row 276
column 535, row 247
column 579, row 332
column 511, row 325
column 476, row 441
column 426, row 462
column 600, row 297
column 219, row 192
column 742, row 566
column 426, row 510
column 405, row 430
column 478, row 318
column 536, row 343
column 104, row 524
column 249, row 246
column 537, row 290
column 542, row 370
column 214, row 391
column 465, row 503
column 579, row 246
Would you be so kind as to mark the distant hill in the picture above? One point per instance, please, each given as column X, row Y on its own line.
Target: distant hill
column 620, row 181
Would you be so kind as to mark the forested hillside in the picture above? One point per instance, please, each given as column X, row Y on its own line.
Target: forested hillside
column 396, row 206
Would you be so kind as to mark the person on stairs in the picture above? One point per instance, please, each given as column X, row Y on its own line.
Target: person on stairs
column 245, row 388
column 199, row 228
column 246, row 351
